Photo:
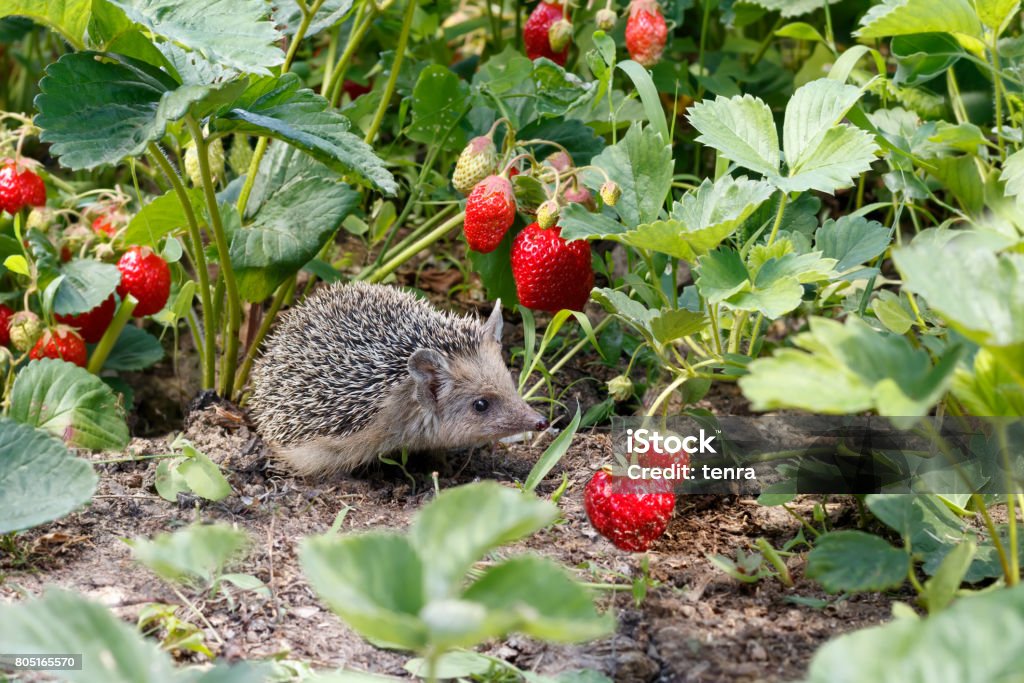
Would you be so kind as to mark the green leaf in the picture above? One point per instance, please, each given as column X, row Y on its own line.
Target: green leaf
column 70, row 403
column 87, row 283
column 161, row 216
column 993, row 314
column 541, row 598
column 941, row 589
column 742, row 129
column 800, row 30
column 62, row 622
column 723, row 278
column 939, row 649
column 127, row 105
column 288, row 230
column 722, row 274
column 924, row 519
column 888, row 308
column 135, row 349
column 558, row 91
column 634, row 313
column 455, row 664
column 641, row 164
column 230, row 32
column 674, row 323
column 994, row 12
column 203, row 476
column 648, row 95
column 853, row 561
column 373, row 581
column 439, row 100
column 39, row 479
column 812, row 111
column 849, row 368
column 279, row 107
column 843, row 154
column 793, row 8
column 17, row 263
column 495, row 269
column 923, row 56
column 961, row 177
column 194, row 555
column 1013, row 175
column 67, row 17
column 851, row 240
column 552, row 454
column 168, row 481
column 578, row 223
column 454, row 540
column 288, row 16
column 578, row 138
column 904, row 17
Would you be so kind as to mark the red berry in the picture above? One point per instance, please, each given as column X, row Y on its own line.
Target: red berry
column 646, row 32
column 60, row 342
column 91, row 324
column 550, row 273
column 5, row 324
column 145, row 276
column 490, row 212
column 630, row 520
column 535, row 32
column 104, row 226
column 20, row 187
column 354, row 90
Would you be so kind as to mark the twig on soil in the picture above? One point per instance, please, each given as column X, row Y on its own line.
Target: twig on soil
column 195, row 610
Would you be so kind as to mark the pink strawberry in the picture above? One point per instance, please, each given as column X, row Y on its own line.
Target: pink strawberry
column 646, row 32
column 490, row 212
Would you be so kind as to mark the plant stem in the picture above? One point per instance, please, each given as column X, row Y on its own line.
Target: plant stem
column 250, row 176
column 396, row 67
column 705, row 18
column 408, row 239
column 234, row 312
column 990, row 526
column 416, row 247
column 109, row 338
column 568, row 356
column 666, row 392
column 778, row 218
column 360, row 25
column 209, row 339
column 284, row 291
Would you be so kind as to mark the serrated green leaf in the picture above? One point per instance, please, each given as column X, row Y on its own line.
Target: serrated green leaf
column 742, row 129
column 287, row 231
column 87, row 283
column 194, row 555
column 889, row 310
column 579, row 139
column 203, row 476
column 842, row 155
column 39, row 479
column 923, row 56
column 993, row 314
column 578, row 223
column 994, row 12
column 854, row 561
column 1013, row 175
column 671, row 324
column 641, row 164
column 67, row 17
column 962, row 178
column 846, row 369
column 279, row 107
column 904, row 17
column 161, row 216
column 811, row 112
column 721, row 274
column 851, row 240
column 127, row 105
column 70, row 403
column 558, row 91
column 168, row 480
column 792, row 8
column 634, row 313
column 934, row 650
column 135, row 349
column 231, row 32
column 439, row 100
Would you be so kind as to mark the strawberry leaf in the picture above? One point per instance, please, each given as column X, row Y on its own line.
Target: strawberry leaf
column 87, row 283
column 67, row 17
column 30, row 498
column 905, row 17
column 742, row 129
column 641, row 164
column 851, row 561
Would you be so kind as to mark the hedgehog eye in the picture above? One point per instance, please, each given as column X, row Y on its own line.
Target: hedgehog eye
column 481, row 405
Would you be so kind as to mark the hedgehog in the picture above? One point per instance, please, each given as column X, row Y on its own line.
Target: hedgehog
column 360, row 371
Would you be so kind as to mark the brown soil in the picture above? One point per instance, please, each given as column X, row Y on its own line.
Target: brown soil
column 695, row 623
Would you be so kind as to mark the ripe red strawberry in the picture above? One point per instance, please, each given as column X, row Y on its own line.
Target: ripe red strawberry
column 550, row 273
column 5, row 324
column 632, row 521
column 535, row 32
column 20, row 187
column 646, row 32
column 60, row 342
column 354, row 89
column 91, row 324
column 490, row 212
column 103, row 225
column 145, row 276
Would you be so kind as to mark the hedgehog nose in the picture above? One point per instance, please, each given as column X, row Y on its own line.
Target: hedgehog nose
column 541, row 425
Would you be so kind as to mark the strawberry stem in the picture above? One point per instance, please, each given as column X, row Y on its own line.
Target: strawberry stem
column 396, row 67
column 109, row 338
column 416, row 247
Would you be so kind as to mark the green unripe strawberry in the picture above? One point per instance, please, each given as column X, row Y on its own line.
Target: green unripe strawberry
column 215, row 155
column 560, row 35
column 240, row 155
column 606, row 19
column 547, row 214
column 610, row 193
column 26, row 328
column 620, row 388
column 477, row 161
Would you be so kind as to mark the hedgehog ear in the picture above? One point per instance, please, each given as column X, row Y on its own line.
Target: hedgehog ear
column 428, row 369
column 494, row 323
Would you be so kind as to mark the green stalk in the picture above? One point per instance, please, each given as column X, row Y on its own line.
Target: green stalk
column 778, row 218
column 300, row 33
column 408, row 239
column 360, row 25
column 209, row 339
column 568, row 356
column 283, row 292
column 416, row 247
column 706, row 7
column 997, row 82
column 109, row 338
column 676, row 383
column 990, row 526
column 396, row 67
column 234, row 312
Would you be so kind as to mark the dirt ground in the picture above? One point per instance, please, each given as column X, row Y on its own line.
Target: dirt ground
column 695, row 624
